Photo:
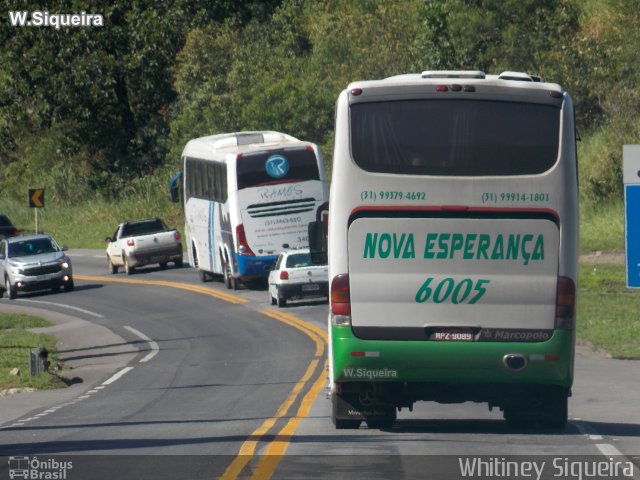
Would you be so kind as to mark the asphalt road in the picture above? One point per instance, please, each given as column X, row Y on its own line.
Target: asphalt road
column 224, row 385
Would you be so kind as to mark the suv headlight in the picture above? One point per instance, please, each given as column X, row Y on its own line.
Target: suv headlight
column 16, row 271
column 65, row 264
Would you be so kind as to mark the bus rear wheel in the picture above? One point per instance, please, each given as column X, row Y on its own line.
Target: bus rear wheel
column 549, row 410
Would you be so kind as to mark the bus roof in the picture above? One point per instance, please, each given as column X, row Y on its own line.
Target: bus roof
column 508, row 79
column 216, row 147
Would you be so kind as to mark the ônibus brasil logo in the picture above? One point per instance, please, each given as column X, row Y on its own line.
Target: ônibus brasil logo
column 276, row 166
column 34, row 468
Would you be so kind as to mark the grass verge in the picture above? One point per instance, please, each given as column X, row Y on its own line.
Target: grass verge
column 15, row 344
column 607, row 314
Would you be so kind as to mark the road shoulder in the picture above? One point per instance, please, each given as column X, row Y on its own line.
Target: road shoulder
column 90, row 352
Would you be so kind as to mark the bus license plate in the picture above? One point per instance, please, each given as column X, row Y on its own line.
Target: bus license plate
column 452, row 335
column 311, row 287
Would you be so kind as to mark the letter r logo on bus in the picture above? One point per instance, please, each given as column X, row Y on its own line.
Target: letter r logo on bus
column 276, row 166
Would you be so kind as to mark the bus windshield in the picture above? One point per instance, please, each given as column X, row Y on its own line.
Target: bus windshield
column 273, row 167
column 455, row 137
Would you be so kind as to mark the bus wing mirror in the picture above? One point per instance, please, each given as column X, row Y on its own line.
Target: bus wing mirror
column 318, row 243
column 174, row 187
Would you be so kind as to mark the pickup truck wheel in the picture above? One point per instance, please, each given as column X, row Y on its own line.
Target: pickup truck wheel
column 12, row 293
column 69, row 286
column 113, row 269
column 178, row 263
column 163, row 265
column 128, row 269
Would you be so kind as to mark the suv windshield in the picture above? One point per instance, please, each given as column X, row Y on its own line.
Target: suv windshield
column 455, row 137
column 36, row 246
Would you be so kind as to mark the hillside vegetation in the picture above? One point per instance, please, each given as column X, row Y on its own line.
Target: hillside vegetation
column 98, row 116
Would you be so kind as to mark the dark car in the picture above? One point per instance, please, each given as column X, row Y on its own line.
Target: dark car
column 6, row 227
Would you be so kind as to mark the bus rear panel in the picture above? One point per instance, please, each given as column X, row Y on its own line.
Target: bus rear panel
column 453, row 240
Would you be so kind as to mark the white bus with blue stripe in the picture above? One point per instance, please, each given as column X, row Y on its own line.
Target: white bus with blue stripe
column 247, row 196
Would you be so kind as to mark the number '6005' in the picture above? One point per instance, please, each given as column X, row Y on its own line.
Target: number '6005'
column 448, row 289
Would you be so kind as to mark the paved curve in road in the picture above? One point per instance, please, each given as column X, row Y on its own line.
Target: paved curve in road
column 228, row 378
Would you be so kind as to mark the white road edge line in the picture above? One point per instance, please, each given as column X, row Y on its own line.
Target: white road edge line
column 78, row 309
column 587, row 429
column 606, row 449
column 155, row 348
column 117, row 376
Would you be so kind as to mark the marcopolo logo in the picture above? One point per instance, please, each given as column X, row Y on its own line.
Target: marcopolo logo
column 37, row 469
column 276, row 166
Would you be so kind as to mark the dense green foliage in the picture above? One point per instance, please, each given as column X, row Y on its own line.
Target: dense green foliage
column 91, row 112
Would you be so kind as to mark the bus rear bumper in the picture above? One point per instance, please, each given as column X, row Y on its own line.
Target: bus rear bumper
column 437, row 365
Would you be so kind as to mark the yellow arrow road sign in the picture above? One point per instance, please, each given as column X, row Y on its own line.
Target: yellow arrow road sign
column 36, row 197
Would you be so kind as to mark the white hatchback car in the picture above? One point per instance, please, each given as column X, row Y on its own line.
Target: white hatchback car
column 294, row 277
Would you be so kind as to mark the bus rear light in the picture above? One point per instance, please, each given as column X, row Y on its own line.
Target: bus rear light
column 284, row 275
column 565, row 303
column 456, row 88
column 243, row 245
column 442, row 88
column 340, row 295
column 555, row 94
column 356, row 91
column 131, row 242
column 177, row 236
column 469, row 88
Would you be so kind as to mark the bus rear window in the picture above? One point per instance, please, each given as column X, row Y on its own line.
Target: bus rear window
column 282, row 166
column 455, row 137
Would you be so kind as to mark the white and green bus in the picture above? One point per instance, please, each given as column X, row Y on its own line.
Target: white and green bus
column 452, row 246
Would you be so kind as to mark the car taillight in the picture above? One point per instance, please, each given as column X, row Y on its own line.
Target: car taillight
column 243, row 245
column 565, row 303
column 15, row 232
column 131, row 242
column 177, row 236
column 284, row 275
column 340, row 295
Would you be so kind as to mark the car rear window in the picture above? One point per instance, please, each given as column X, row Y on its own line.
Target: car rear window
column 143, row 228
column 455, row 137
column 299, row 260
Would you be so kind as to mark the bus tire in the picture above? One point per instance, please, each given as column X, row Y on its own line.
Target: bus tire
column 226, row 273
column 548, row 410
column 383, row 421
column 203, row 276
column 337, row 418
column 557, row 413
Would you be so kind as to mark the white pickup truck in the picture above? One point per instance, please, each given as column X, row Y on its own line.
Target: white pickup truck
column 143, row 242
column 294, row 276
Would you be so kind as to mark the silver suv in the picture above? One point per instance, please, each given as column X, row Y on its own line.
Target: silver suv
column 34, row 262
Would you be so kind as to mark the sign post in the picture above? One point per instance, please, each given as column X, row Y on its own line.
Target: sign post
column 36, row 200
column 631, row 179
